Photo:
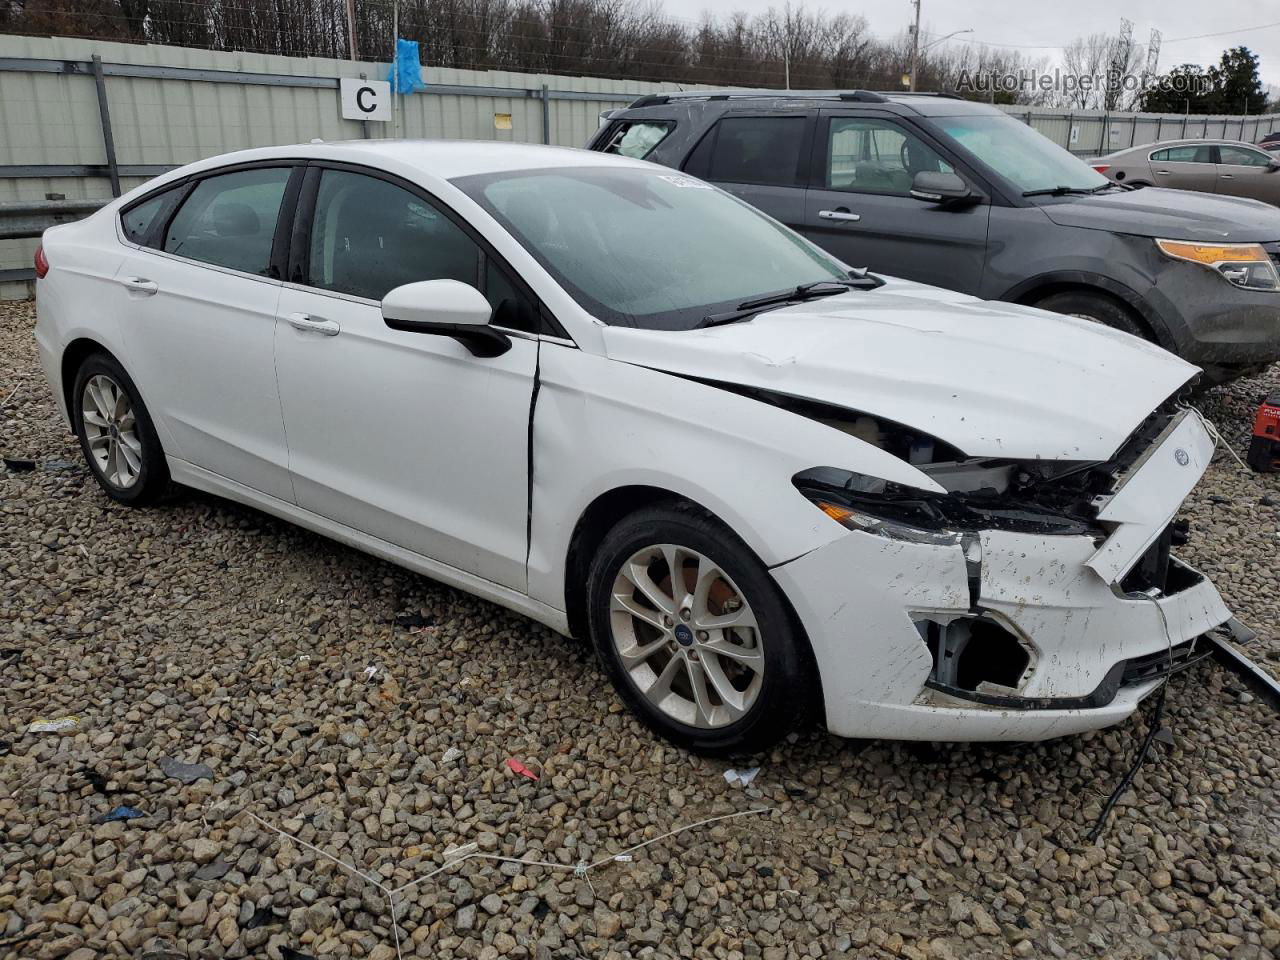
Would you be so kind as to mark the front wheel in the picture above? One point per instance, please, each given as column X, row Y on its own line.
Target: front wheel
column 1096, row 307
column 116, row 433
column 695, row 635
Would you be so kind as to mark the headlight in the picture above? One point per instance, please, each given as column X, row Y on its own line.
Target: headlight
column 1242, row 264
column 867, row 522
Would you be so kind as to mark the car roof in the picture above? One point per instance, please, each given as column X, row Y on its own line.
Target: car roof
column 920, row 102
column 443, row 159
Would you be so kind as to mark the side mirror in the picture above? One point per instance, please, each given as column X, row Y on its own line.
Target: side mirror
column 445, row 308
column 934, row 187
column 1273, row 165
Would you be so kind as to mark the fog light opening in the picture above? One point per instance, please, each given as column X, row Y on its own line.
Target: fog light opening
column 975, row 654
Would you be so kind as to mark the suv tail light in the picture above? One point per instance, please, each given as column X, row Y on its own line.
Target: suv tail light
column 1101, row 167
column 42, row 263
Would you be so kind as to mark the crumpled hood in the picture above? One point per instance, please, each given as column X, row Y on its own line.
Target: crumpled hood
column 992, row 379
column 1170, row 215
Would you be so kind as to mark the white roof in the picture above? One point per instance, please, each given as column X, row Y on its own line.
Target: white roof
column 444, row 159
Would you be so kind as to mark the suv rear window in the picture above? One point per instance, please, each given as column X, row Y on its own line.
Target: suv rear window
column 636, row 138
column 764, row 150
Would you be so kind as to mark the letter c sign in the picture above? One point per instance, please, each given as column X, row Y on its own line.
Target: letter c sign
column 365, row 99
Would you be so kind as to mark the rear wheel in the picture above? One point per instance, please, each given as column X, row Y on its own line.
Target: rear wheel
column 1096, row 307
column 695, row 635
column 116, row 433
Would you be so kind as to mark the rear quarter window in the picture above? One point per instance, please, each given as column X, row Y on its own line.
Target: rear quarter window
column 636, row 138
column 141, row 219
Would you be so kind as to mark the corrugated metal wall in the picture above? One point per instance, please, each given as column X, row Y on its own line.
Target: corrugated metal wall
column 52, row 117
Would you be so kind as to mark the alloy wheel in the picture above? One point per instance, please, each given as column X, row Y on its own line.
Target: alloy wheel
column 111, row 431
column 686, row 636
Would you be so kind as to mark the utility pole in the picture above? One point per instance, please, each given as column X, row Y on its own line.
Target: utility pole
column 915, row 46
column 352, row 50
column 786, row 46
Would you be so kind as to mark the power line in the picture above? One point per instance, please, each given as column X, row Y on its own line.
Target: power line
column 1060, row 46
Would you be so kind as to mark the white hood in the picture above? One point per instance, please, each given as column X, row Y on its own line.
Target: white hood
column 991, row 379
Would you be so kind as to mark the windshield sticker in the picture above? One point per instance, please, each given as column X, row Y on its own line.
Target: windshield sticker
column 680, row 181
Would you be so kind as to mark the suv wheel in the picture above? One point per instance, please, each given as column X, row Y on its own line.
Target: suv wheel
column 1096, row 307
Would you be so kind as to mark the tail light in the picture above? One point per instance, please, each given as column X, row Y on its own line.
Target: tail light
column 1101, row 167
column 42, row 263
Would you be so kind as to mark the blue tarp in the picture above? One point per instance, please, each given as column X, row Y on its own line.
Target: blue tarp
column 405, row 73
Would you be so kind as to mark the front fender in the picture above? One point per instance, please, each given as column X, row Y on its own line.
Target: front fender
column 602, row 424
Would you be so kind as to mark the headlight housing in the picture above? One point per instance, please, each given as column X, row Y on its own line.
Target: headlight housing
column 1244, row 265
column 868, row 522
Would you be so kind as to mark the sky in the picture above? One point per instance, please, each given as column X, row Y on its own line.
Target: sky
column 1049, row 24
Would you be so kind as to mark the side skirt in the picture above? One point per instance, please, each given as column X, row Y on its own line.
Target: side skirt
column 190, row 475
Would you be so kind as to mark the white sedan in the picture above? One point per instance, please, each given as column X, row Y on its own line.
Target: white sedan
column 633, row 408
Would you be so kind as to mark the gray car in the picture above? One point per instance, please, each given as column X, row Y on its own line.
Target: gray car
column 1226, row 167
column 961, row 195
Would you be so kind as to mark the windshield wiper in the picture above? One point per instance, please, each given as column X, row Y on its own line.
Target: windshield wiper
column 858, row 280
column 1063, row 190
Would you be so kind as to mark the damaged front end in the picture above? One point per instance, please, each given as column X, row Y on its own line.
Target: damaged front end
column 1033, row 598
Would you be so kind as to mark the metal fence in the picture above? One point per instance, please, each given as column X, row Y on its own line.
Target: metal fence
column 81, row 120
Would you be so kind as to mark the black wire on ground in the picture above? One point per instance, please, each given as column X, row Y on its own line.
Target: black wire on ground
column 1154, row 727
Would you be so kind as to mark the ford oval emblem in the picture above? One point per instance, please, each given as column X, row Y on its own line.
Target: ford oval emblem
column 1182, row 457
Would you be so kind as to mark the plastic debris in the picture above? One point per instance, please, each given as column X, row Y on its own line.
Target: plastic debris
column 405, row 73
column 19, row 464
column 214, row 870
column 96, row 780
column 288, row 953
column 623, row 858
column 40, row 725
column 261, row 917
column 450, row 755
column 518, row 767
column 186, row 772
column 53, row 466
column 742, row 778
column 120, row 813
column 370, row 672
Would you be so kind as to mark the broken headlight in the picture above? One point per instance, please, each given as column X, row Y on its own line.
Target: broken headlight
column 905, row 513
column 1244, row 265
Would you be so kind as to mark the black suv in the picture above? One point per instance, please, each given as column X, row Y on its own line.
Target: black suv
column 962, row 195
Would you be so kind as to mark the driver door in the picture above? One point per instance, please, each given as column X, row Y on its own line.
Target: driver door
column 859, row 205
column 404, row 436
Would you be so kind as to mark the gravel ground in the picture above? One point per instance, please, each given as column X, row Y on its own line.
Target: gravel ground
column 208, row 633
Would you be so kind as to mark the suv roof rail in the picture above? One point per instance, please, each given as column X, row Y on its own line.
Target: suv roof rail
column 859, row 96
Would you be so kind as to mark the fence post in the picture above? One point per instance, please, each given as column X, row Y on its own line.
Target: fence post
column 546, row 115
column 104, row 114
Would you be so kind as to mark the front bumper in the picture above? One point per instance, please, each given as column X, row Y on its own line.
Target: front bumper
column 1087, row 649
column 1212, row 323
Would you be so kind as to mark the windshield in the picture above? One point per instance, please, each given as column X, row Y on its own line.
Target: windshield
column 1015, row 151
column 648, row 247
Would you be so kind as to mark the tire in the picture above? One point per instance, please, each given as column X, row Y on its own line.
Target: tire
column 769, row 681
column 116, row 433
column 1097, row 307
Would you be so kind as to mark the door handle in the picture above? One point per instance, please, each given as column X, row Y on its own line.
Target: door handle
column 309, row 324
column 1163, row 173
column 842, row 215
column 140, row 285
column 1226, row 176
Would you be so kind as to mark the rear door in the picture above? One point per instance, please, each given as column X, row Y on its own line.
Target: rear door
column 761, row 158
column 1246, row 172
column 197, row 310
column 859, row 204
column 1191, row 167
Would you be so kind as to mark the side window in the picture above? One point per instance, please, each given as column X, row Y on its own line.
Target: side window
column 637, row 138
column 876, row 156
column 763, row 150
column 139, row 220
column 1243, row 157
column 369, row 236
column 229, row 220
column 1188, row 154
